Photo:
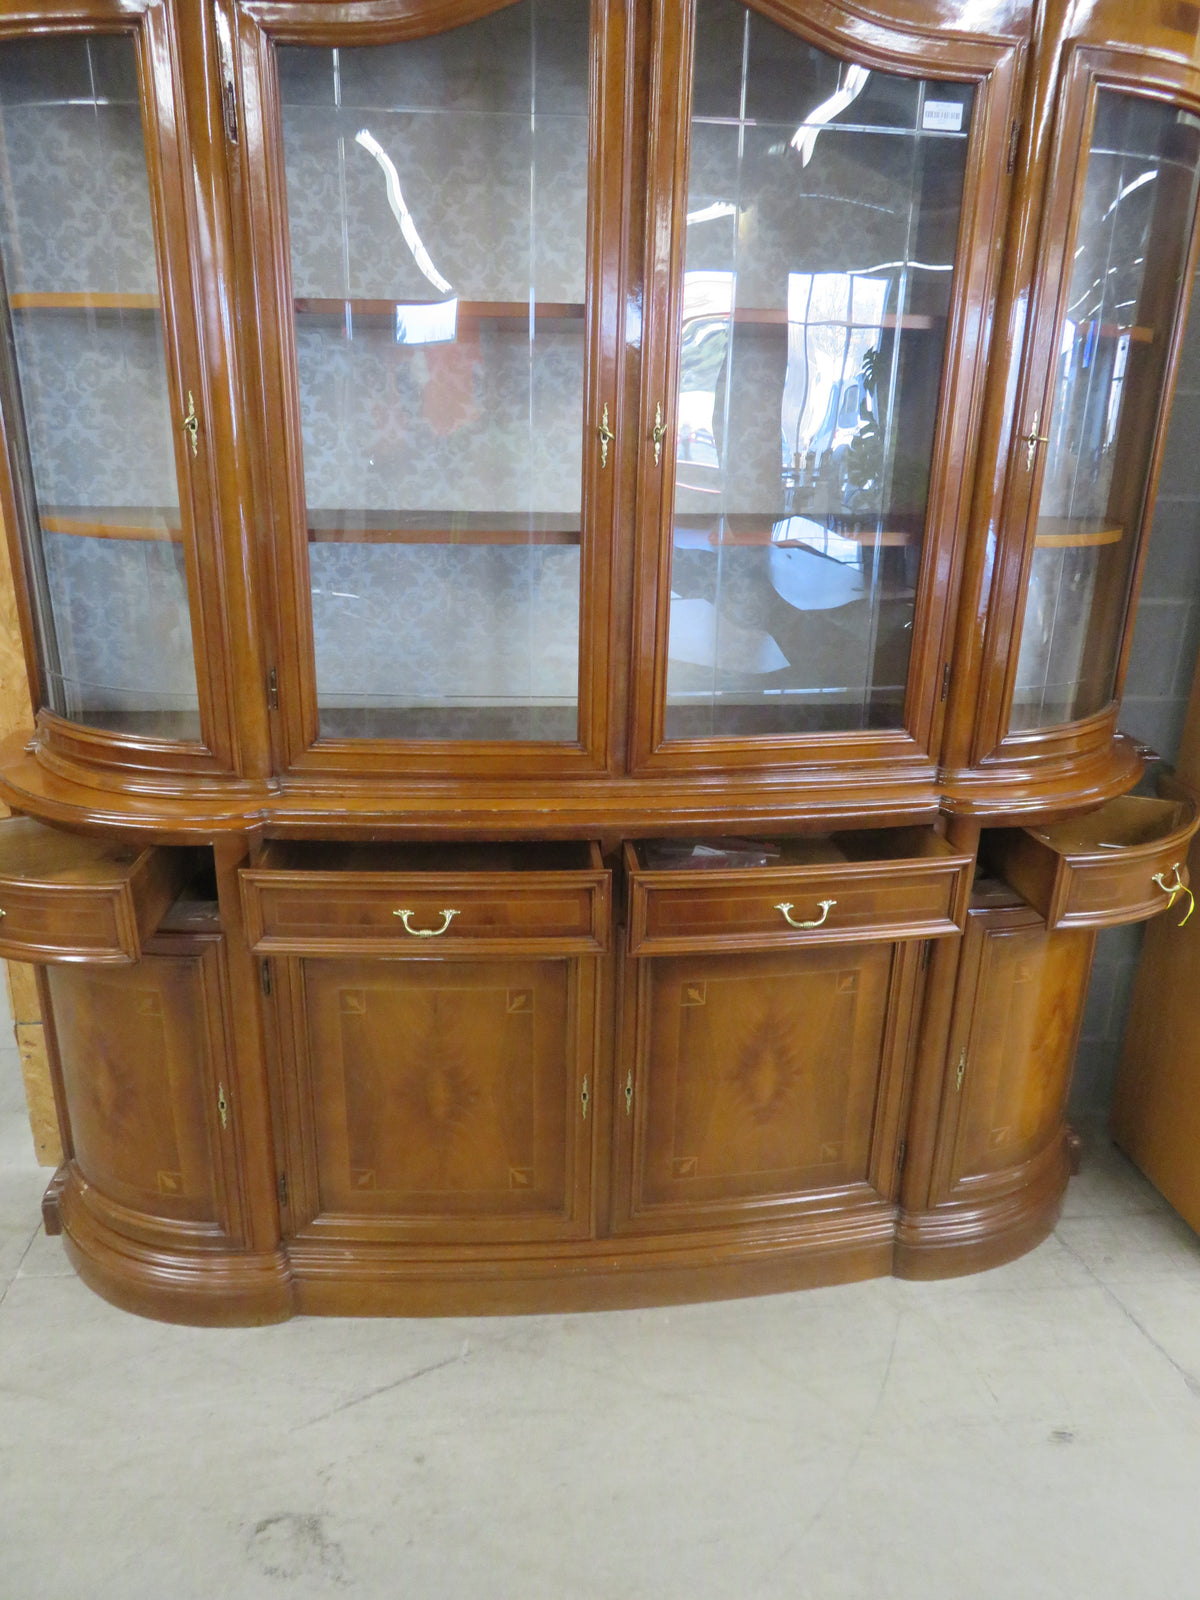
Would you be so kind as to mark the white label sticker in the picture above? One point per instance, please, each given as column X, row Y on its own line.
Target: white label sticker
column 943, row 116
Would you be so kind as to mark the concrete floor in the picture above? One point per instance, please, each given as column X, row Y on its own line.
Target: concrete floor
column 1032, row 1432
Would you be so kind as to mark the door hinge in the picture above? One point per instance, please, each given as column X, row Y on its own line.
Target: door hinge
column 901, row 1156
column 281, row 1189
column 228, row 89
column 272, row 690
column 265, row 978
column 962, row 1070
column 1014, row 142
column 945, row 680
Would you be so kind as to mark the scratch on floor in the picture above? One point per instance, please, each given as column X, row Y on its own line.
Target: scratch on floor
column 384, row 1388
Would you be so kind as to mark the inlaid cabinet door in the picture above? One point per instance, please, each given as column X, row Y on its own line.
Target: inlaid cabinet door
column 146, row 1084
column 1012, row 1045
column 439, row 1099
column 761, row 1083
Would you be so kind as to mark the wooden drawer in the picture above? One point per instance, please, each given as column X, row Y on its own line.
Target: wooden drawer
column 1100, row 870
column 427, row 900
column 891, row 883
column 64, row 897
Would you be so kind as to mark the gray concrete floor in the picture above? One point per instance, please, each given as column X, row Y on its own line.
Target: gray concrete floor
column 1031, row 1432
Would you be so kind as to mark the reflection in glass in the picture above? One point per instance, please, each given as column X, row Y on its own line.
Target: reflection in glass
column 823, row 216
column 1138, row 202
column 86, row 404
column 437, row 199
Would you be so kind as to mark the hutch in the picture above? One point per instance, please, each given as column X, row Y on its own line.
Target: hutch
column 577, row 559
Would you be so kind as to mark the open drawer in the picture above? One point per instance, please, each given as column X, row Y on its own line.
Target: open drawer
column 427, row 899
column 1122, row 863
column 64, row 897
column 878, row 883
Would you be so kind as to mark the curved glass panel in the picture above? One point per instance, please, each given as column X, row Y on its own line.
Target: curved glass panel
column 822, row 224
column 1126, row 278
column 437, row 201
column 86, row 400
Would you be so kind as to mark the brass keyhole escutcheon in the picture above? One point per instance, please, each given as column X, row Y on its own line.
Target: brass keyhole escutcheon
column 658, row 433
column 606, row 436
column 191, row 424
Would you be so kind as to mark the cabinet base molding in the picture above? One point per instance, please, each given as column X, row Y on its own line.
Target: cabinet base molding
column 226, row 1288
column 203, row 1288
column 989, row 1228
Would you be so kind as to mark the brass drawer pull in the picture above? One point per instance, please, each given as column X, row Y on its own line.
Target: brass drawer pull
column 1171, row 890
column 425, row 933
column 786, row 907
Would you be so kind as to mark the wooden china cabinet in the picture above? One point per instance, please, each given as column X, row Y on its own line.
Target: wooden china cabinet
column 577, row 559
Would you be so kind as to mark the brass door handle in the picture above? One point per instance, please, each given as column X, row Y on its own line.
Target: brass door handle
column 786, row 907
column 658, row 433
column 606, row 436
column 425, row 933
column 1171, row 890
column 1032, row 440
column 191, row 423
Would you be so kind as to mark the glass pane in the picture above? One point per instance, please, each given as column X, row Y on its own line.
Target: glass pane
column 1138, row 200
column 823, row 215
column 87, row 404
column 437, row 196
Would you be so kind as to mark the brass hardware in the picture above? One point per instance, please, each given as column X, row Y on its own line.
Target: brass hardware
column 658, row 433
column 629, row 1093
column 426, row 933
column 962, row 1069
column 786, row 907
column 585, row 1099
column 1032, row 440
column 1171, row 890
column 606, row 437
column 222, row 1105
column 1, row 913
column 191, row 423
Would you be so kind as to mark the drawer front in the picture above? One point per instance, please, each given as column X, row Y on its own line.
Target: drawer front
column 1104, row 894
column 1102, row 882
column 65, row 897
column 46, row 923
column 677, row 912
column 426, row 914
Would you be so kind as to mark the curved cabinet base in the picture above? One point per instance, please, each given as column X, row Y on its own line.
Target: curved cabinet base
column 226, row 1288
column 204, row 1288
column 971, row 1235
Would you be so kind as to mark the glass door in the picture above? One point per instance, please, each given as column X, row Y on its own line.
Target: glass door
column 801, row 435
column 446, row 375
column 99, row 437
column 1091, row 444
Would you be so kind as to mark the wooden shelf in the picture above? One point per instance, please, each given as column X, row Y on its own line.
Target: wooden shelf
column 154, row 523
column 87, row 300
column 757, row 530
column 777, row 317
column 468, row 310
column 1071, row 533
